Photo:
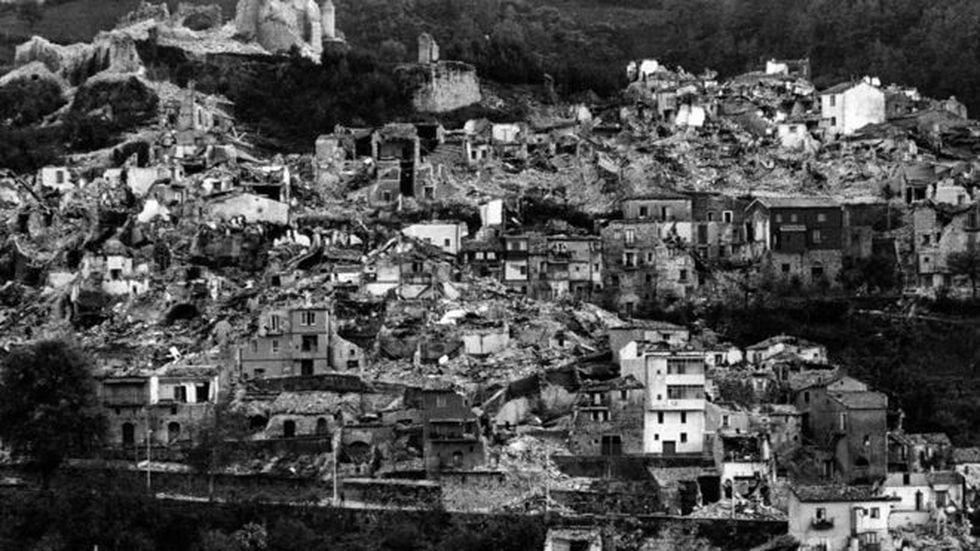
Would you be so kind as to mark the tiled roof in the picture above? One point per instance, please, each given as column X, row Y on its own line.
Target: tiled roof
column 798, row 202
column 807, row 379
column 862, row 400
column 314, row 403
column 838, row 88
column 778, row 339
column 661, row 196
column 828, row 493
column 620, row 383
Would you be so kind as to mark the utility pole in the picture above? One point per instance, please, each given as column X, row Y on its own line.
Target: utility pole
column 335, row 442
column 149, row 436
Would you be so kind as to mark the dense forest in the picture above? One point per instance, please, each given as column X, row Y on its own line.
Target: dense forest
column 583, row 44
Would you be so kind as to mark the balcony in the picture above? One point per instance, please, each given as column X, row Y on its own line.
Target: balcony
column 683, row 404
column 822, row 524
column 685, row 379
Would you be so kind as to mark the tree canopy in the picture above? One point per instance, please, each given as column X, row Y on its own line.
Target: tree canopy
column 49, row 403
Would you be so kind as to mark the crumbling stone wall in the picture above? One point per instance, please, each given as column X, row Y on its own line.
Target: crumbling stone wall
column 280, row 25
column 199, row 17
column 109, row 51
column 440, row 87
column 428, row 49
column 144, row 12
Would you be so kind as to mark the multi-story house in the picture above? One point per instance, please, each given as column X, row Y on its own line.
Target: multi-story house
column 640, row 267
column 850, row 106
column 674, row 380
column 719, row 230
column 846, row 419
column 573, row 265
column 923, row 495
column 806, row 350
column 839, row 518
column 166, row 407
column 673, row 212
column 516, row 265
column 453, row 439
column 289, row 342
column 448, row 236
column 939, row 232
column 608, row 418
column 802, row 236
column 649, row 331
column 482, row 257
column 548, row 267
column 401, row 173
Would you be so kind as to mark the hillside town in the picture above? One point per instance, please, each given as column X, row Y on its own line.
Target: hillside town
column 476, row 317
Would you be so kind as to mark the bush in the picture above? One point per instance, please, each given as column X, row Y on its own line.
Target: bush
column 27, row 101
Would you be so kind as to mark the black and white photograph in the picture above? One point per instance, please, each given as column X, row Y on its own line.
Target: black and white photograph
column 489, row 275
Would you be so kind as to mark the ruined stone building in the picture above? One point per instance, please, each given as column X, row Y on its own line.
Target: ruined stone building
column 396, row 150
column 746, row 462
column 436, row 85
column 608, row 418
column 281, row 25
column 410, row 268
column 646, row 256
column 938, row 231
column 674, row 379
column 849, row 421
column 801, row 237
column 553, row 266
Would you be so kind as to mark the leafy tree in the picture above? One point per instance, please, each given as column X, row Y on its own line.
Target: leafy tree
column 966, row 263
column 48, row 403
column 737, row 391
column 25, row 101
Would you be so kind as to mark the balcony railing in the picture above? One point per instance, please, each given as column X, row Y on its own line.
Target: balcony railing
column 687, row 404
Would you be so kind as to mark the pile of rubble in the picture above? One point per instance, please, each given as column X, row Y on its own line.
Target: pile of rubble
column 948, row 537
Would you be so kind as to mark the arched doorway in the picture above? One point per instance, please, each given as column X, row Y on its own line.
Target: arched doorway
column 289, row 429
column 321, row 427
